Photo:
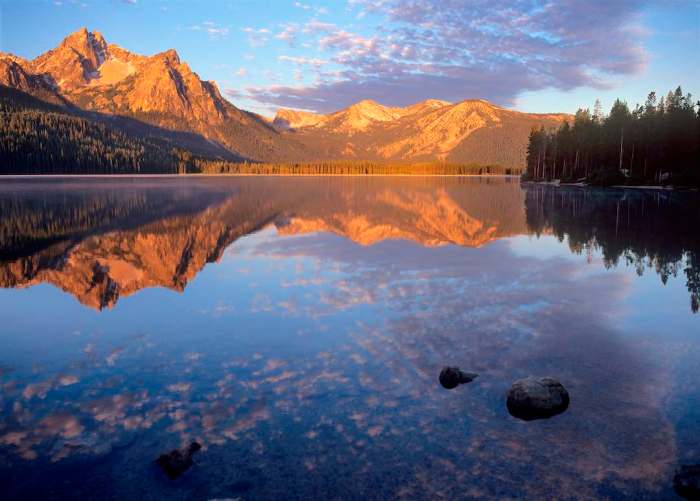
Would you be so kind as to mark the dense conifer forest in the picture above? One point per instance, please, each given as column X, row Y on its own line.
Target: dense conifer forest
column 41, row 138
column 192, row 164
column 654, row 143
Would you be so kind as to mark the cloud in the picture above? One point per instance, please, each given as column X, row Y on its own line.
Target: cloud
column 454, row 50
column 288, row 34
column 314, row 26
column 211, row 28
column 257, row 37
column 303, row 61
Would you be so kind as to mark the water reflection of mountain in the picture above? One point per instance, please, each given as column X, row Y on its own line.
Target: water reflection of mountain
column 102, row 243
column 656, row 230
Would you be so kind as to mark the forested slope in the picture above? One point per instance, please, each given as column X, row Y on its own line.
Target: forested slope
column 39, row 137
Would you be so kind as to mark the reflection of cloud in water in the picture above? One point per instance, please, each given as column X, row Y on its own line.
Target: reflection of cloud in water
column 219, row 310
column 615, row 419
column 370, row 407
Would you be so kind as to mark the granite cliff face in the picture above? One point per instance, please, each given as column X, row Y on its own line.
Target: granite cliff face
column 95, row 75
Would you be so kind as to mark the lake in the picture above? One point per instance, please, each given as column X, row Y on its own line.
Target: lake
column 296, row 327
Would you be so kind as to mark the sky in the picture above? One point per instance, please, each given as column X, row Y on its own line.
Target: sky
column 531, row 55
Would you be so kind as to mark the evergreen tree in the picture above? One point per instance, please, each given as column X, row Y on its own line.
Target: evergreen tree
column 658, row 142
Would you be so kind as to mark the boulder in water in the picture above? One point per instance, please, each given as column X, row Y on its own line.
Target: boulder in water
column 451, row 377
column 177, row 461
column 686, row 482
column 537, row 398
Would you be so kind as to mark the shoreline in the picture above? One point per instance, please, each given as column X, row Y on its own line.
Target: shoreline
column 197, row 175
column 654, row 187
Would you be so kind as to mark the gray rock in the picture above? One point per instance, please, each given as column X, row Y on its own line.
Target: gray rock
column 686, row 482
column 451, row 377
column 537, row 398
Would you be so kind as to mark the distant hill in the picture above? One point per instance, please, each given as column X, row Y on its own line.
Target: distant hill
column 469, row 131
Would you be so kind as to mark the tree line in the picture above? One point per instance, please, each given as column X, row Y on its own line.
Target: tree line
column 654, row 143
column 192, row 164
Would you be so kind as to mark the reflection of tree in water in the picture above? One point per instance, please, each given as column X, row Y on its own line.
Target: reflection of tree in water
column 34, row 219
column 648, row 230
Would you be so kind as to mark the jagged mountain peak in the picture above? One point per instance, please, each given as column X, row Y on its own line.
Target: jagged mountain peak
column 427, row 104
column 83, row 36
column 366, row 104
column 11, row 57
column 372, row 108
column 86, row 71
column 75, row 61
column 90, row 45
column 361, row 116
column 170, row 56
column 435, row 103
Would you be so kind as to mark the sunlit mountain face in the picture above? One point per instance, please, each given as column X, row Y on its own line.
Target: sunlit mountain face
column 296, row 327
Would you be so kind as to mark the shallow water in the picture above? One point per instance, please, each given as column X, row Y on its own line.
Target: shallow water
column 296, row 327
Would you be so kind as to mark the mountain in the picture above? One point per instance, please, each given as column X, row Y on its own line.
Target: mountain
column 38, row 137
column 86, row 72
column 468, row 131
column 159, row 98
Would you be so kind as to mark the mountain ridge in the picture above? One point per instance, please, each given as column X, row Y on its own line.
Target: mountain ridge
column 427, row 130
column 86, row 72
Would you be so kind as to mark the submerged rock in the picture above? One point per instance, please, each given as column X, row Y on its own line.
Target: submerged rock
column 177, row 461
column 537, row 398
column 686, row 482
column 451, row 377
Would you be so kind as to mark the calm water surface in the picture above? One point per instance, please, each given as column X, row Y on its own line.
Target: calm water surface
column 296, row 327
